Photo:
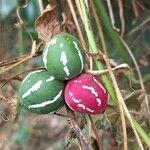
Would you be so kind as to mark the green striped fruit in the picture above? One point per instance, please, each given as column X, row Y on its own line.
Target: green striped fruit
column 41, row 93
column 63, row 56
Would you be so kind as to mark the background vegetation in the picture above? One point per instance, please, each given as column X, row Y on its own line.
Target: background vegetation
column 117, row 32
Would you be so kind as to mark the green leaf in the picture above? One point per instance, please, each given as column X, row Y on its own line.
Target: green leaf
column 31, row 12
column 114, row 45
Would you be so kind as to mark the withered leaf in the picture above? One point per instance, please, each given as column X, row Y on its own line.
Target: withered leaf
column 48, row 24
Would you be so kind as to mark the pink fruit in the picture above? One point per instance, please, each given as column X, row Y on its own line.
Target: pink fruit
column 86, row 94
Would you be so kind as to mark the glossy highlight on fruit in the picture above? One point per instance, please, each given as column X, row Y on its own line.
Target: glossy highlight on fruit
column 41, row 93
column 86, row 94
column 64, row 57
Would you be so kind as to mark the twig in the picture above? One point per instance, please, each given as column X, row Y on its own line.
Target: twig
column 11, row 61
column 111, row 15
column 21, row 22
column 16, row 64
column 35, row 52
column 61, row 115
column 121, row 14
column 79, row 9
column 21, row 46
column 142, row 6
column 135, row 9
column 100, row 72
column 137, row 28
column 83, row 141
column 71, row 134
column 133, row 94
column 17, row 61
column 98, row 139
column 77, row 24
column 89, row 128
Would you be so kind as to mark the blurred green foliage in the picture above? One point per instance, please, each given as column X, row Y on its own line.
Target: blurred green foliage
column 7, row 7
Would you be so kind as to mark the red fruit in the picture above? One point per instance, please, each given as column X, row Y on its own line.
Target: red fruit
column 86, row 94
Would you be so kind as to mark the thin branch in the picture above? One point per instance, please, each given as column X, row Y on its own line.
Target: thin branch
column 98, row 139
column 112, row 19
column 83, row 141
column 90, row 34
column 16, row 64
column 121, row 14
column 71, row 134
column 142, row 6
column 137, row 28
column 135, row 9
column 12, row 63
column 79, row 8
column 21, row 22
column 61, row 115
column 100, row 72
column 19, row 61
column 133, row 94
column 77, row 24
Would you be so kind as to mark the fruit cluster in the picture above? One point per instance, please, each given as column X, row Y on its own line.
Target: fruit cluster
column 44, row 92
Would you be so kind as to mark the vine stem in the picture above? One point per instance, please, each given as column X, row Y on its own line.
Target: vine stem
column 95, row 132
column 91, row 64
column 77, row 24
column 90, row 35
column 111, row 15
column 137, row 126
column 121, row 15
column 105, row 71
column 138, row 27
column 118, row 93
column 135, row 9
column 82, row 39
column 28, row 57
column 21, row 46
column 83, row 141
column 71, row 121
column 99, row 66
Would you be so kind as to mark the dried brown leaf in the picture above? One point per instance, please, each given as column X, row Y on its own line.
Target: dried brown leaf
column 48, row 24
